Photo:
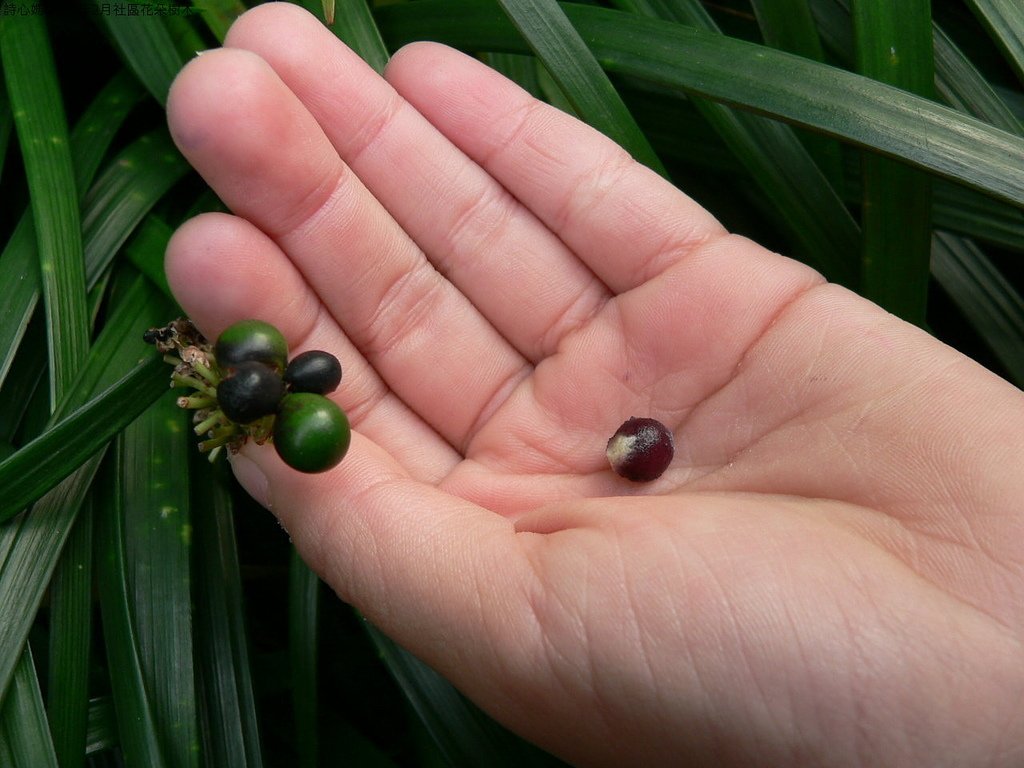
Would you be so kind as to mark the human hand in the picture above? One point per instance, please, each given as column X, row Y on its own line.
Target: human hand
column 828, row 574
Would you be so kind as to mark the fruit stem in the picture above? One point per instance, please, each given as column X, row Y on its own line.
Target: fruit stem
column 206, row 373
column 181, row 380
column 211, row 421
column 196, row 401
column 219, row 437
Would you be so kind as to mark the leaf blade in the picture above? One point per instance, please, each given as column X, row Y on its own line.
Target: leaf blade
column 32, row 85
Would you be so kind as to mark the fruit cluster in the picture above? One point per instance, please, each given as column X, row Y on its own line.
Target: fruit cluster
column 246, row 388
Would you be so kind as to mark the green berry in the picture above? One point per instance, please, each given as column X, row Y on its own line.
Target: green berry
column 311, row 433
column 251, row 340
column 251, row 391
column 313, row 371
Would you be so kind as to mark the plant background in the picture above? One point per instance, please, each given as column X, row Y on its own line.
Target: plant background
column 150, row 613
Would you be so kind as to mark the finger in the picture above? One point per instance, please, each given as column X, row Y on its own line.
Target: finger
column 222, row 269
column 259, row 148
column 472, row 230
column 626, row 222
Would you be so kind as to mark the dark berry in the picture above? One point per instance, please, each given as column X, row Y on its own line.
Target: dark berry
column 313, row 371
column 251, row 391
column 251, row 340
column 641, row 449
column 311, row 433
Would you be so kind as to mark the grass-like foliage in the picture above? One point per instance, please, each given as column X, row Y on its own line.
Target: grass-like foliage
column 150, row 615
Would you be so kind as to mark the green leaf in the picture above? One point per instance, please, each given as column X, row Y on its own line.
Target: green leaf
column 841, row 104
column 31, row 79
column 303, row 622
column 147, row 48
column 70, row 641
column 31, row 543
column 23, row 719
column 894, row 46
column 139, row 734
column 465, row 735
column 568, row 60
column 6, row 127
column 963, row 87
column 126, row 190
column 153, row 479
column 219, row 15
column 230, row 728
column 146, row 251
column 788, row 25
column 354, row 25
column 96, row 128
column 1005, row 22
column 102, row 730
column 991, row 304
column 19, row 268
column 45, row 461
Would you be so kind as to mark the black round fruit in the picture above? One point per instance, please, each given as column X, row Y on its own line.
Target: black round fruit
column 251, row 340
column 641, row 449
column 313, row 371
column 251, row 391
column 311, row 433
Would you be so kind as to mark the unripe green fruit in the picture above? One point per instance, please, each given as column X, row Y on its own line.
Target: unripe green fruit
column 311, row 433
column 251, row 340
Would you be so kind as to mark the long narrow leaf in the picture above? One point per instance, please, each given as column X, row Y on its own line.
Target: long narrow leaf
column 303, row 626
column 70, row 643
column 139, row 736
column 963, row 87
column 571, row 64
column 219, row 14
column 6, row 127
column 230, row 730
column 23, row 719
column 894, row 46
column 1005, row 23
column 154, row 483
column 147, row 47
column 44, row 462
column 988, row 300
column 788, row 25
column 466, row 736
column 353, row 23
column 19, row 268
column 800, row 185
column 102, row 729
column 34, row 541
column 124, row 192
column 31, row 79
column 838, row 103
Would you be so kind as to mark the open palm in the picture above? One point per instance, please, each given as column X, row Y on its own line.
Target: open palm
column 828, row 573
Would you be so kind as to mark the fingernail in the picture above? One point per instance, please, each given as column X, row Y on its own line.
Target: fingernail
column 251, row 477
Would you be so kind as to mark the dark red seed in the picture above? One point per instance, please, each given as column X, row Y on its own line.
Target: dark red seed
column 641, row 449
